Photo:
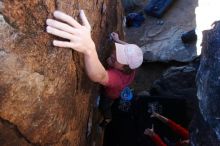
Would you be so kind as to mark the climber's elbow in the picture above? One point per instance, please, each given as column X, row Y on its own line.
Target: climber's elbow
column 100, row 78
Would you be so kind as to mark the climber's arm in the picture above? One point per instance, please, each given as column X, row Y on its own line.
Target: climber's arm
column 95, row 69
column 79, row 37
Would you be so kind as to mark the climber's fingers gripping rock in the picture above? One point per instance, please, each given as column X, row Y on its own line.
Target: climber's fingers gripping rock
column 65, row 26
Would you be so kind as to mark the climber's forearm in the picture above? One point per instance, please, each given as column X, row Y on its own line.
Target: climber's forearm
column 95, row 70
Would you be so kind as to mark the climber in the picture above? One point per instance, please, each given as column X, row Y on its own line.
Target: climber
column 175, row 127
column 122, row 62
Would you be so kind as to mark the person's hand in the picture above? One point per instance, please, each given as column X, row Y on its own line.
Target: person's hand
column 160, row 117
column 79, row 36
column 149, row 132
column 155, row 115
column 115, row 36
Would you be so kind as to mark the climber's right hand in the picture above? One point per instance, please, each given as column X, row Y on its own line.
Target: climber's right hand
column 115, row 36
column 79, row 36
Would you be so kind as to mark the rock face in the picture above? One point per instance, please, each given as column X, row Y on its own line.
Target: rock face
column 206, row 124
column 43, row 96
column 177, row 82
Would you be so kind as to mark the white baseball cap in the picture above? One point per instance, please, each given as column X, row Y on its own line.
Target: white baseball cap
column 129, row 54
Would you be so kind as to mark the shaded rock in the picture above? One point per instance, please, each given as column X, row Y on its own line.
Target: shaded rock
column 189, row 36
column 10, row 131
column 201, row 133
column 176, row 82
column 147, row 74
column 208, row 83
column 42, row 88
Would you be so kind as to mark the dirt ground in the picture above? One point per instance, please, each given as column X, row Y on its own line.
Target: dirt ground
column 181, row 14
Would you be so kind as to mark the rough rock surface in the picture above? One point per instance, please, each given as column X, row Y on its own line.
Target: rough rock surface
column 177, row 82
column 206, row 126
column 43, row 96
column 160, row 39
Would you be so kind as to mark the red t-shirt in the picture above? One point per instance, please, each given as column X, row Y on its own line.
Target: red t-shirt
column 117, row 82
